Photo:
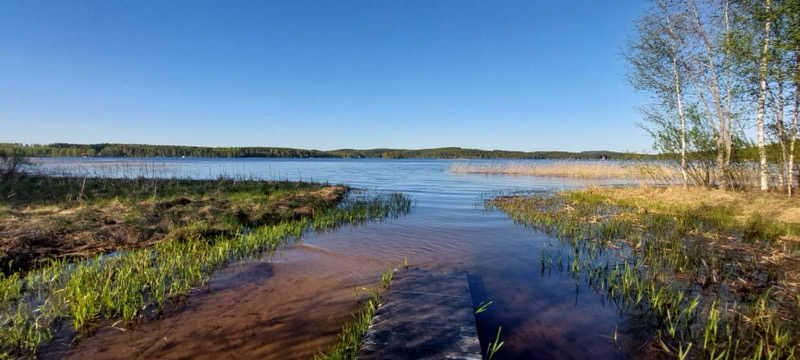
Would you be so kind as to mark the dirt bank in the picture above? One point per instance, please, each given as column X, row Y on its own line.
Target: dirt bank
column 75, row 217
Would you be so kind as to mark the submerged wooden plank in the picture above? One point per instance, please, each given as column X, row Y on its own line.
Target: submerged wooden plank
column 424, row 315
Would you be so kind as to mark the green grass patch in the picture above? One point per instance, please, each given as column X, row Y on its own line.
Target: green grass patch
column 128, row 284
column 693, row 275
column 55, row 217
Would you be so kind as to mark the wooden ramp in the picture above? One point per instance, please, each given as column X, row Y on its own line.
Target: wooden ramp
column 423, row 315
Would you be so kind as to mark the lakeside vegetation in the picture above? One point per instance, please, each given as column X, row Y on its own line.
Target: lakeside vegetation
column 176, row 151
column 43, row 218
column 716, row 71
column 182, row 231
column 353, row 332
column 635, row 171
column 703, row 273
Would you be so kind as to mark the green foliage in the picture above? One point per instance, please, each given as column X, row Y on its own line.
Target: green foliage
column 495, row 346
column 11, row 161
column 658, row 264
column 145, row 151
column 106, row 213
column 71, row 191
column 759, row 228
column 127, row 284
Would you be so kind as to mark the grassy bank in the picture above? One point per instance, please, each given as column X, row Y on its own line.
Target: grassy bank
column 142, row 281
column 703, row 274
column 577, row 169
column 43, row 218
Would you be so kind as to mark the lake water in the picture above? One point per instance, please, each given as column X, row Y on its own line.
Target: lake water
column 543, row 315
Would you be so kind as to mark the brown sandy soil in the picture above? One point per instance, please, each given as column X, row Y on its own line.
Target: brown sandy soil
column 291, row 308
column 30, row 234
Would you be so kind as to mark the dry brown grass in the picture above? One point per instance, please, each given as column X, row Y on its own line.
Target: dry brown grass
column 724, row 247
column 743, row 203
column 772, row 219
column 576, row 169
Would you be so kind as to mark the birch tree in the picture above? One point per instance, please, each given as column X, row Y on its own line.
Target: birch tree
column 790, row 12
column 656, row 59
column 762, row 95
column 674, row 44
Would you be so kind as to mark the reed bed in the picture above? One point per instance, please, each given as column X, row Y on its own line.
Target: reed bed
column 639, row 171
column 128, row 285
column 701, row 282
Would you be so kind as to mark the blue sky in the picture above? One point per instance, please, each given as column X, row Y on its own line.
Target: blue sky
column 520, row 75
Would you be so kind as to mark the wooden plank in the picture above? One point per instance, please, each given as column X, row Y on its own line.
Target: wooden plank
column 424, row 315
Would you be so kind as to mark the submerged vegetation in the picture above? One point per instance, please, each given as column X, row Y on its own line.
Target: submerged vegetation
column 711, row 275
column 129, row 284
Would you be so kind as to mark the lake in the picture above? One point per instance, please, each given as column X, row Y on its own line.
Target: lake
column 291, row 304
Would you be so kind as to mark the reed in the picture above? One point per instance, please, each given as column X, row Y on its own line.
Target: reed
column 639, row 171
column 691, row 272
column 495, row 346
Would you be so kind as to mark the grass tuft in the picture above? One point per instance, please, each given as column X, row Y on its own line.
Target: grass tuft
column 691, row 271
column 353, row 332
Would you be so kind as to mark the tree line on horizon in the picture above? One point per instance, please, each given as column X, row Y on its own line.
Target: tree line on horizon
column 177, row 151
column 724, row 76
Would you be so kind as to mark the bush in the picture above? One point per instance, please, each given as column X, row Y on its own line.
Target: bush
column 10, row 163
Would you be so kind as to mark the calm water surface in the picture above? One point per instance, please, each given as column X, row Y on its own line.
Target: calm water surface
column 543, row 315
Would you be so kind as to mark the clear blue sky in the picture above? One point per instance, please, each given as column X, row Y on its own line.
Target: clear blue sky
column 521, row 75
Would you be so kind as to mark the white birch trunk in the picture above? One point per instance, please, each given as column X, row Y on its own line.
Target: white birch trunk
column 728, row 109
column 714, row 88
column 760, row 112
column 677, row 81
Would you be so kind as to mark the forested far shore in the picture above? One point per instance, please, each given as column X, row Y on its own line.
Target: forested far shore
column 145, row 151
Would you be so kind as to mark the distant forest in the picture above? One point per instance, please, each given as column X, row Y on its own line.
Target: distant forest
column 146, row 151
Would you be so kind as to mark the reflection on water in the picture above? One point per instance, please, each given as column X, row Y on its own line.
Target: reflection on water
column 543, row 314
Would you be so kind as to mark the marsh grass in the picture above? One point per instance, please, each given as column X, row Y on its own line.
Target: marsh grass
column 67, row 217
column 129, row 284
column 705, row 280
column 495, row 346
column 640, row 171
column 353, row 332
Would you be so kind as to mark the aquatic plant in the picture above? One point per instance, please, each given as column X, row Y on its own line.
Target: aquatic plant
column 665, row 266
column 129, row 284
column 353, row 332
column 495, row 346
column 483, row 306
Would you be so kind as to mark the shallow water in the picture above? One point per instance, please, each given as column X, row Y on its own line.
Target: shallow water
column 291, row 305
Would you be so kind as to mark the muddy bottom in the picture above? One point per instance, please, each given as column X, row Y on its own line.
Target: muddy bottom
column 290, row 308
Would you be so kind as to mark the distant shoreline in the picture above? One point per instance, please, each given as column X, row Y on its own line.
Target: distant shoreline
column 178, row 151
